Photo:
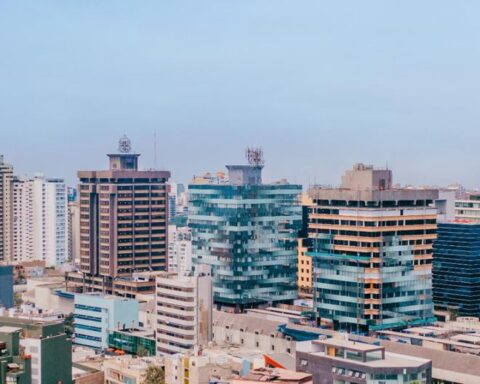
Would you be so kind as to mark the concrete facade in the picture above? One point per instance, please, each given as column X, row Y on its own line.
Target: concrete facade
column 97, row 315
column 123, row 219
column 184, row 311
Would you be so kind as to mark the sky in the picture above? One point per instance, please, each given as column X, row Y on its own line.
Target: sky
column 319, row 85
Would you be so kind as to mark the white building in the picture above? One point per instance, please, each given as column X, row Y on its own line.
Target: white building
column 97, row 315
column 179, row 249
column 40, row 228
column 184, row 311
column 468, row 209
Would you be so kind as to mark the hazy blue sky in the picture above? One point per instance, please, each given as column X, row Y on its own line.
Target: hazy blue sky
column 318, row 84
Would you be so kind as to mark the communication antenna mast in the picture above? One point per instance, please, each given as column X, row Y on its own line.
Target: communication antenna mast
column 255, row 156
column 155, row 148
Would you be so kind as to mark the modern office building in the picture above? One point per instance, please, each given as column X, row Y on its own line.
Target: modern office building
column 96, row 316
column 247, row 232
column 15, row 367
column 123, row 219
column 47, row 345
column 6, row 286
column 456, row 268
column 40, row 226
column 343, row 362
column 372, row 248
column 6, row 175
column 468, row 209
column 184, row 311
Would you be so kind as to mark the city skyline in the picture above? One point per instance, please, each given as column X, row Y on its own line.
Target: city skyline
column 318, row 86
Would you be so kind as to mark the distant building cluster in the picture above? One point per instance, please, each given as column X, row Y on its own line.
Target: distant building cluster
column 134, row 278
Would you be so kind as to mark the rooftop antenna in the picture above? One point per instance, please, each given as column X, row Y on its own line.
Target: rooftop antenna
column 155, row 148
column 255, row 156
column 124, row 145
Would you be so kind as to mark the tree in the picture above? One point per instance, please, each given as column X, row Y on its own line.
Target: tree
column 154, row 375
column 142, row 351
column 68, row 324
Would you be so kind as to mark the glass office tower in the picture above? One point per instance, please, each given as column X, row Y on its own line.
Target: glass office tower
column 247, row 232
column 372, row 252
column 456, row 268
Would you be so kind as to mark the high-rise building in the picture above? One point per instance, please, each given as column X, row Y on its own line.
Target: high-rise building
column 247, row 232
column 468, row 209
column 372, row 248
column 456, row 268
column 184, row 311
column 123, row 218
column 40, row 229
column 6, row 175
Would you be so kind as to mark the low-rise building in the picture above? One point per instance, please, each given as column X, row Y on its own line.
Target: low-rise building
column 98, row 315
column 342, row 361
column 133, row 341
column 49, row 347
column 215, row 364
column 128, row 370
column 14, row 368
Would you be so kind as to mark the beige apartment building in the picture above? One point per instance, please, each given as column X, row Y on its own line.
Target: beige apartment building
column 184, row 311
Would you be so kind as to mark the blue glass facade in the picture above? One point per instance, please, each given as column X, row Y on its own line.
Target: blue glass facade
column 248, row 235
column 6, row 286
column 456, row 268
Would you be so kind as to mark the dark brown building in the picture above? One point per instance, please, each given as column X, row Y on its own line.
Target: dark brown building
column 123, row 218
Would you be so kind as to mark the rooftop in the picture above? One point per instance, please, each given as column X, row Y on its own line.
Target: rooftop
column 274, row 375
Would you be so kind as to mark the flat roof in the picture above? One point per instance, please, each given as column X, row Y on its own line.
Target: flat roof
column 7, row 329
column 349, row 345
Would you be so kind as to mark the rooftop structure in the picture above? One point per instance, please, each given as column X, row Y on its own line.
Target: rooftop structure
column 342, row 360
column 274, row 376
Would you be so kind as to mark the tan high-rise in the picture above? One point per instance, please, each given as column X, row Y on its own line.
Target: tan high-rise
column 123, row 218
column 6, row 175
